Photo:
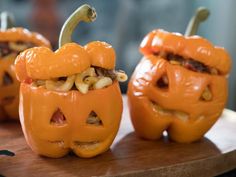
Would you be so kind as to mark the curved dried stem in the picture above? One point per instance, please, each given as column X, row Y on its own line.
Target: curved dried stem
column 83, row 13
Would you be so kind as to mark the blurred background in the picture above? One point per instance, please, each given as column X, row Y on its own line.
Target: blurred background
column 123, row 23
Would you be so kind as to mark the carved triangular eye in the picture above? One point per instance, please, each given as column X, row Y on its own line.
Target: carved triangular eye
column 206, row 94
column 58, row 118
column 93, row 119
column 7, row 79
column 163, row 82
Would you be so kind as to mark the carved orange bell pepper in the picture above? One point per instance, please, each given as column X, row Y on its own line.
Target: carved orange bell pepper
column 70, row 99
column 12, row 42
column 180, row 85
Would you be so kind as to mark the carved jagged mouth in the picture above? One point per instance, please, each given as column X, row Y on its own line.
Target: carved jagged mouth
column 82, row 145
column 167, row 112
column 60, row 143
column 87, row 145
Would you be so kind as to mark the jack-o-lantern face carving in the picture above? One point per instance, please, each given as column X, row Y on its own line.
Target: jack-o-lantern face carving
column 12, row 42
column 67, row 123
column 70, row 99
column 179, row 86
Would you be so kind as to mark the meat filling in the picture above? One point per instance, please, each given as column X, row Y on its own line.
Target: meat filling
column 188, row 63
column 7, row 48
column 105, row 72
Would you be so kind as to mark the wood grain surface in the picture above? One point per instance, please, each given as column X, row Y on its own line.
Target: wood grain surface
column 129, row 155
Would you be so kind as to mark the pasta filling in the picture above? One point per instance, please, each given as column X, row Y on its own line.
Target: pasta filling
column 91, row 79
column 188, row 63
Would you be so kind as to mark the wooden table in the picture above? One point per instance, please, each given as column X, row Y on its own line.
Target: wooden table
column 129, row 155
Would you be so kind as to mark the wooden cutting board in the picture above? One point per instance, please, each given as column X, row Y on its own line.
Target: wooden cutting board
column 129, row 156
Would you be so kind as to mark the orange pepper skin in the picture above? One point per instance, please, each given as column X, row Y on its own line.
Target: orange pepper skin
column 38, row 104
column 64, row 62
column 9, row 109
column 102, row 54
column 22, row 34
column 184, row 90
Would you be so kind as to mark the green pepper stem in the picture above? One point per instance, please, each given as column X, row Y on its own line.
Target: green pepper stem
column 83, row 13
column 201, row 15
column 6, row 20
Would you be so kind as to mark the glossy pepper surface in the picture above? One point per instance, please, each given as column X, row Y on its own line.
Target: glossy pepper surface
column 179, row 86
column 56, row 122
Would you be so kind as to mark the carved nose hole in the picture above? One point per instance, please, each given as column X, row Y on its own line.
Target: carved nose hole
column 7, row 79
column 163, row 82
column 58, row 118
column 206, row 94
column 93, row 119
column 7, row 100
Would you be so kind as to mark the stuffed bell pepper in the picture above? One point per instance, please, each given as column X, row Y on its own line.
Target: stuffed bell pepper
column 180, row 86
column 12, row 42
column 70, row 99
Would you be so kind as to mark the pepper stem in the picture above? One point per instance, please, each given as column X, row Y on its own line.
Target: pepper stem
column 83, row 13
column 201, row 15
column 6, row 20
